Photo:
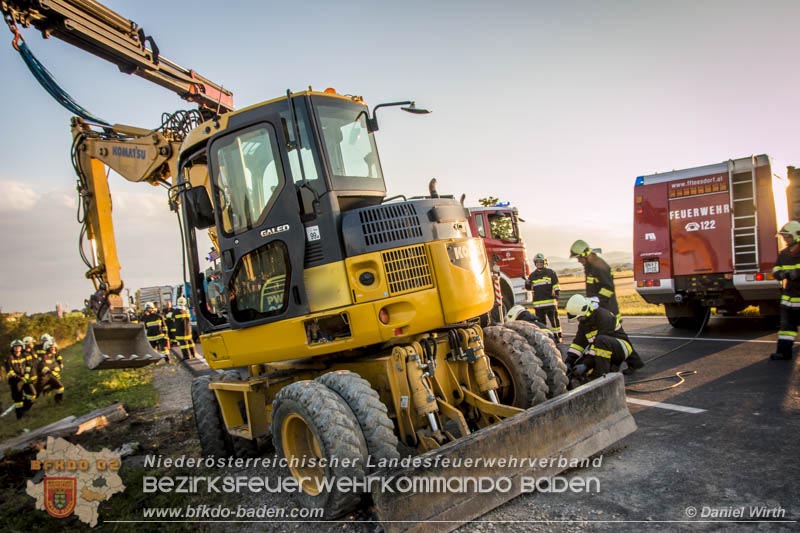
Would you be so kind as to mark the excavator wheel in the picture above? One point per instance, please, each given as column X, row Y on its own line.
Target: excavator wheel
column 371, row 413
column 516, row 367
column 311, row 422
column 214, row 439
column 207, row 417
column 548, row 353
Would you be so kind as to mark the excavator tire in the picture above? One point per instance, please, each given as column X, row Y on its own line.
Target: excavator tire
column 548, row 353
column 207, row 417
column 310, row 420
column 371, row 413
column 517, row 368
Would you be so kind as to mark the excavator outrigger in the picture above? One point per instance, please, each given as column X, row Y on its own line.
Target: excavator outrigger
column 348, row 323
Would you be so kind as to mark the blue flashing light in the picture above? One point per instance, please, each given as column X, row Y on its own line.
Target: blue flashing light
column 639, row 181
column 502, row 204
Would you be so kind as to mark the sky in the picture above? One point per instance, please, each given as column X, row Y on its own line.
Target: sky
column 555, row 106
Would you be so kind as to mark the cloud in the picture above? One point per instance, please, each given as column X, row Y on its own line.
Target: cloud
column 42, row 266
column 15, row 196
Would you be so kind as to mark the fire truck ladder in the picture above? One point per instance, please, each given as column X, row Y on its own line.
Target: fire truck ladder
column 745, row 220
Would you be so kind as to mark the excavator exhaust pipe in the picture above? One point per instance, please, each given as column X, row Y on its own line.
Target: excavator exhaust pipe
column 117, row 345
column 574, row 426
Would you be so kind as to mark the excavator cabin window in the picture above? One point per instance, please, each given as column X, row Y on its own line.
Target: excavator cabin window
column 248, row 178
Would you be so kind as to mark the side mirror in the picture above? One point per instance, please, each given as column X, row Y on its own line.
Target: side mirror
column 198, row 208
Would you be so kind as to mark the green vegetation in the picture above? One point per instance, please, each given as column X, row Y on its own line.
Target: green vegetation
column 85, row 391
column 65, row 330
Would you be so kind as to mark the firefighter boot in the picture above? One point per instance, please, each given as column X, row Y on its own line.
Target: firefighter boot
column 784, row 351
column 780, row 357
column 634, row 363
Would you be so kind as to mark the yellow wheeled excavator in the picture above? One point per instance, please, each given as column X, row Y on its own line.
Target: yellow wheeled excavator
column 346, row 329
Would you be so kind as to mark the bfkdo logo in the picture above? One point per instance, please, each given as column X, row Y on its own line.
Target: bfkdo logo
column 60, row 496
column 75, row 480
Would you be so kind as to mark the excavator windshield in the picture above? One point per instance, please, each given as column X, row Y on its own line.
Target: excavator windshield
column 348, row 146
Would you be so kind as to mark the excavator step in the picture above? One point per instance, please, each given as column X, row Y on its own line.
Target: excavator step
column 574, row 426
column 117, row 345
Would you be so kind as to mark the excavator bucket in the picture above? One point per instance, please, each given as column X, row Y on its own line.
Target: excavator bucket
column 117, row 345
column 544, row 441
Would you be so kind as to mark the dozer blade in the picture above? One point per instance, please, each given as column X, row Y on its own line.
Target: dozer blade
column 117, row 345
column 575, row 425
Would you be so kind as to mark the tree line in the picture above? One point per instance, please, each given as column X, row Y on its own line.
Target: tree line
column 66, row 330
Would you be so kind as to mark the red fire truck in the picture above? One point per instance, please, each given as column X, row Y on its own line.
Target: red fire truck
column 498, row 225
column 705, row 237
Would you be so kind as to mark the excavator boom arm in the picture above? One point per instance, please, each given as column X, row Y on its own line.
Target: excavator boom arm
column 100, row 31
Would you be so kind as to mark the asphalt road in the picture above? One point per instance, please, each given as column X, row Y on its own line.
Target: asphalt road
column 711, row 454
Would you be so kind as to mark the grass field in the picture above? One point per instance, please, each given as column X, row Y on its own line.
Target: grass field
column 85, row 391
column 630, row 303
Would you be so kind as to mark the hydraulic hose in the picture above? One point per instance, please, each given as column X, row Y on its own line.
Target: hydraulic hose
column 681, row 374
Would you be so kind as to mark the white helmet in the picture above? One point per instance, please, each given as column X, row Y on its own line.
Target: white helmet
column 792, row 229
column 181, row 301
column 149, row 305
column 27, row 340
column 578, row 305
column 514, row 312
column 48, row 344
column 45, row 337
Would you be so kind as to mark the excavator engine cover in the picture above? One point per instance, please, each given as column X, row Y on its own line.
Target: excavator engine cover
column 117, row 345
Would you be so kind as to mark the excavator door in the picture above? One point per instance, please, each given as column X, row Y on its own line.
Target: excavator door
column 261, row 236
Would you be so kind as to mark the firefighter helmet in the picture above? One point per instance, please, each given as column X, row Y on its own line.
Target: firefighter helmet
column 27, row 340
column 149, row 305
column 579, row 248
column 17, row 342
column 514, row 312
column 45, row 337
column 181, row 301
column 48, row 344
column 791, row 228
column 578, row 306
column 539, row 257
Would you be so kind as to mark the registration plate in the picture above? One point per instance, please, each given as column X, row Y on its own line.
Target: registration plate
column 651, row 267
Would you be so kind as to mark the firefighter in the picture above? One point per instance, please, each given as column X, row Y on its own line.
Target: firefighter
column 19, row 370
column 519, row 312
column 599, row 280
column 40, row 349
column 183, row 330
column 49, row 371
column 543, row 282
column 30, row 351
column 600, row 345
column 30, row 345
column 169, row 319
column 156, row 330
column 787, row 270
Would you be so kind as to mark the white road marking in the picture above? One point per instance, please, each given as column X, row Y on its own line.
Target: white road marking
column 742, row 341
column 662, row 405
